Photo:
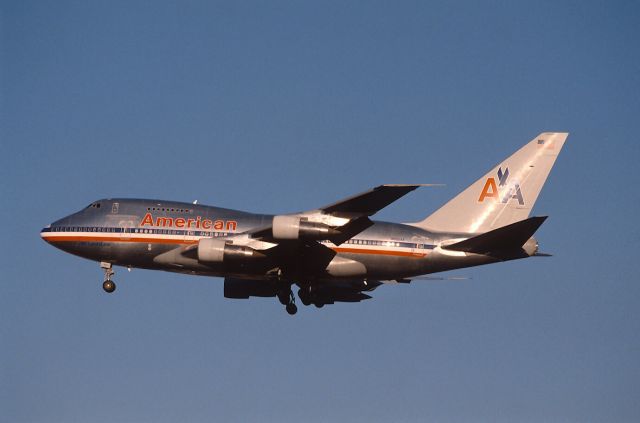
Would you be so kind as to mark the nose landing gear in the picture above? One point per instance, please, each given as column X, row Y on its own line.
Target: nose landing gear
column 108, row 285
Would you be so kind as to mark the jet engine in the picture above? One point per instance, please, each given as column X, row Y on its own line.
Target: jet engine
column 218, row 250
column 296, row 227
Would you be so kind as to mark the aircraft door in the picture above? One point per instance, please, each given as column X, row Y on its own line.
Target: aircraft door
column 125, row 229
column 417, row 248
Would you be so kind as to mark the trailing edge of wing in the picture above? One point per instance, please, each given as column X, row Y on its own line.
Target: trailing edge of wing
column 509, row 237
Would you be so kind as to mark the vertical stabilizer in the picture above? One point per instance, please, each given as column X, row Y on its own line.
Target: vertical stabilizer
column 503, row 196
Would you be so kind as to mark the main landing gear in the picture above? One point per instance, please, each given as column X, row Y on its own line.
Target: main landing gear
column 308, row 297
column 108, row 285
column 287, row 299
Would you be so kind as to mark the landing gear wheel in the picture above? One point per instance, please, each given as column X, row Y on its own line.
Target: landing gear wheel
column 304, row 297
column 291, row 309
column 109, row 286
column 319, row 305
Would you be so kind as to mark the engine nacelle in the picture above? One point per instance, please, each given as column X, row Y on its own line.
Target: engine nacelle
column 296, row 227
column 218, row 250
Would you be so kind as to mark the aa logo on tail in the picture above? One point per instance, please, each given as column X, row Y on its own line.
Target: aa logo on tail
column 502, row 191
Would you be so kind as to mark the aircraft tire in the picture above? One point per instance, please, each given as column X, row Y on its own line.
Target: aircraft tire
column 109, row 286
column 304, row 297
column 292, row 309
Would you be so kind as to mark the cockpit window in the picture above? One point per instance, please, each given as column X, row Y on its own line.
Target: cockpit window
column 95, row 205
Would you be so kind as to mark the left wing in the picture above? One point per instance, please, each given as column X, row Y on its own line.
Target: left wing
column 369, row 202
column 290, row 245
column 337, row 222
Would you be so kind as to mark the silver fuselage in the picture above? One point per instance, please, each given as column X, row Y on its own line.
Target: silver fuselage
column 153, row 234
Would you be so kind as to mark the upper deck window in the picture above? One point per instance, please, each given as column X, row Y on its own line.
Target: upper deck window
column 173, row 210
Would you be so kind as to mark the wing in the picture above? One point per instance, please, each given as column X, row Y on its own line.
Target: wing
column 369, row 202
column 324, row 293
column 292, row 250
column 337, row 222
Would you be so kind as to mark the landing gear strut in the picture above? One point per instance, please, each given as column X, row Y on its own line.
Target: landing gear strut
column 108, row 285
column 287, row 298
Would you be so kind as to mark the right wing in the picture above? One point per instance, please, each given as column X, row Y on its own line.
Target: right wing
column 325, row 293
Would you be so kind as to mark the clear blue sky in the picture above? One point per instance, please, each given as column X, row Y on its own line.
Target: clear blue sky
column 283, row 106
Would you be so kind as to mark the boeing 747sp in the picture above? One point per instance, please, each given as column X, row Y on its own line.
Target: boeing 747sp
column 333, row 253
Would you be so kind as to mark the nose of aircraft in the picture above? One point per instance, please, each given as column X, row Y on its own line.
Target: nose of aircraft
column 51, row 230
column 45, row 232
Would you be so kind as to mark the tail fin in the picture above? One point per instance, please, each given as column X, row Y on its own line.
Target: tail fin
column 503, row 196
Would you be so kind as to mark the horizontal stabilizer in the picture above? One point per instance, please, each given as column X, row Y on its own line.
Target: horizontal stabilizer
column 506, row 238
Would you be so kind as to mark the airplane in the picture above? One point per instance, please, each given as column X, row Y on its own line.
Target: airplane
column 335, row 253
